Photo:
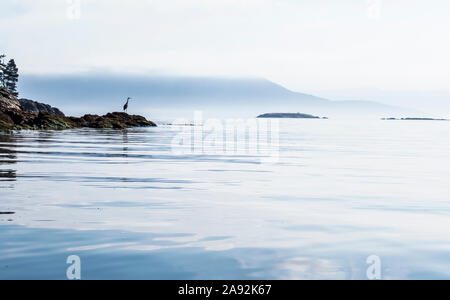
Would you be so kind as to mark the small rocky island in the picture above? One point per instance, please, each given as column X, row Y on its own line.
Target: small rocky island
column 19, row 114
column 289, row 116
column 413, row 119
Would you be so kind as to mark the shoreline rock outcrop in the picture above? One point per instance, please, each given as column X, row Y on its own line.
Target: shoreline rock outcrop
column 26, row 114
column 36, row 107
column 115, row 120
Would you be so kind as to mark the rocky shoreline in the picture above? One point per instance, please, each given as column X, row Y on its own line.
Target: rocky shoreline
column 26, row 114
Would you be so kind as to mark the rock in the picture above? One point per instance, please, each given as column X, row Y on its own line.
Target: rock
column 423, row 119
column 414, row 119
column 9, row 107
column 17, row 115
column 5, row 118
column 6, row 123
column 47, row 121
column 8, row 102
column 78, row 122
column 116, row 120
column 125, row 120
column 36, row 107
column 288, row 116
column 4, row 126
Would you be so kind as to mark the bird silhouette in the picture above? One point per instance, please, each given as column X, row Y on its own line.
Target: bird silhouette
column 125, row 107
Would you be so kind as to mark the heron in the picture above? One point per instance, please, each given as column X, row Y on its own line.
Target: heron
column 125, row 107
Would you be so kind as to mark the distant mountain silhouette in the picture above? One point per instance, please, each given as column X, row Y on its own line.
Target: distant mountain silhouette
column 72, row 93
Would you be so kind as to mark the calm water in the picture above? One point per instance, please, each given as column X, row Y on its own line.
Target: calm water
column 131, row 208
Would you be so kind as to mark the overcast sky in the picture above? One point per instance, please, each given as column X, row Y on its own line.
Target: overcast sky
column 306, row 45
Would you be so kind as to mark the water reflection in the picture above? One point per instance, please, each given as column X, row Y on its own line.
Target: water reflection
column 125, row 142
column 8, row 175
column 8, row 157
column 44, row 138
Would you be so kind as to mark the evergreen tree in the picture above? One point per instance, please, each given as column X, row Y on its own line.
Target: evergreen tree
column 2, row 71
column 11, row 75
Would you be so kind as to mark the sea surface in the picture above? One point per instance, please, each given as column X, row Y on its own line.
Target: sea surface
column 337, row 194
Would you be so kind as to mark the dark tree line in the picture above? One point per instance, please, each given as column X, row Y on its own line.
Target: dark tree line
column 9, row 75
